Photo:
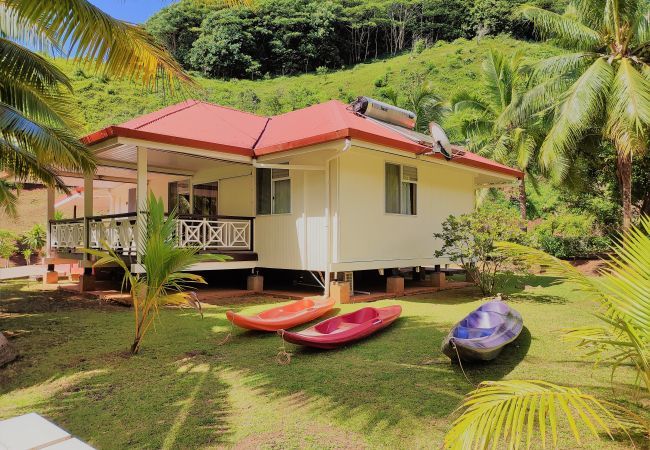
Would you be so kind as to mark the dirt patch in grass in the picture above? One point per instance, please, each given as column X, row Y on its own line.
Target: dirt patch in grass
column 27, row 298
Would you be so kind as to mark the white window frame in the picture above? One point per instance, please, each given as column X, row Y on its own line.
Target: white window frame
column 273, row 181
column 401, row 182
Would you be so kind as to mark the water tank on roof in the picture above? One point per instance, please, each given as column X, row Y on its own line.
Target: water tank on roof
column 383, row 111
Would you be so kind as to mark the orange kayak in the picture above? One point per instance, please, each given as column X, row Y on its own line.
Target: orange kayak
column 283, row 317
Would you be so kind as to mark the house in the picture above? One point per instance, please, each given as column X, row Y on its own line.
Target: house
column 320, row 189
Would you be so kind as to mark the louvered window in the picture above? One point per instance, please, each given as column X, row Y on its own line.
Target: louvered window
column 273, row 191
column 401, row 189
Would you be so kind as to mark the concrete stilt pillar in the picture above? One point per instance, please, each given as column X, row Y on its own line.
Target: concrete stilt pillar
column 340, row 292
column 255, row 283
column 395, row 285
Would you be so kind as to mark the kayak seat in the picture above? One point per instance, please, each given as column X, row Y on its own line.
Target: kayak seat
column 472, row 333
column 362, row 315
column 294, row 307
column 483, row 319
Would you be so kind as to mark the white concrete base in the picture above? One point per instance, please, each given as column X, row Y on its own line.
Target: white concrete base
column 32, row 431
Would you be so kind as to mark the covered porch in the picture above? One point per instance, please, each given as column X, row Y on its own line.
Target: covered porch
column 211, row 192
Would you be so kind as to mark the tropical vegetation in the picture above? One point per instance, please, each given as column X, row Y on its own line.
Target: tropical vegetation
column 469, row 240
column 271, row 37
column 8, row 245
column 39, row 127
column 493, row 129
column 164, row 279
column 602, row 85
column 506, row 412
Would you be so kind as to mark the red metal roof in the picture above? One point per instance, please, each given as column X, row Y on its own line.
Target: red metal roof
column 212, row 127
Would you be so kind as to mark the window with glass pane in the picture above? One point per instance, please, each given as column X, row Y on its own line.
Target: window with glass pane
column 401, row 189
column 178, row 196
column 409, row 190
column 273, row 191
column 205, row 199
column 263, row 191
column 392, row 188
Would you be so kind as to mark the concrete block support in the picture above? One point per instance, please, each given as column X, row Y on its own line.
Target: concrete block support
column 340, row 291
column 87, row 280
column 395, row 285
column 51, row 277
column 438, row 279
column 255, row 283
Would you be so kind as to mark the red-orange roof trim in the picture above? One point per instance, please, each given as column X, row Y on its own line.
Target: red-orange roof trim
column 116, row 131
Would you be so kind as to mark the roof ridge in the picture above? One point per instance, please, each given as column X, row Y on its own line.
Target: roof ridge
column 230, row 108
column 195, row 102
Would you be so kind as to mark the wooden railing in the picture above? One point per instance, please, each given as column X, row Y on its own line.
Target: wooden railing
column 209, row 233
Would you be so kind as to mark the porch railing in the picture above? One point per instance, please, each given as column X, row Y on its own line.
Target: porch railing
column 209, row 233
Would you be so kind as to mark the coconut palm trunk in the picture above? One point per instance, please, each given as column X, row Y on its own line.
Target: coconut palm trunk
column 624, row 174
column 522, row 199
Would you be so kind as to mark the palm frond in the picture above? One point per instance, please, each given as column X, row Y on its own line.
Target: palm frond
column 565, row 64
column 469, row 101
column 498, row 76
column 507, row 413
column 629, row 110
column 22, row 64
column 51, row 146
column 8, row 197
column 578, row 112
column 24, row 165
column 93, row 37
column 567, row 31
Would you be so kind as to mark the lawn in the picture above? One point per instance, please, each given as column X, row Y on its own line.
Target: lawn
column 186, row 391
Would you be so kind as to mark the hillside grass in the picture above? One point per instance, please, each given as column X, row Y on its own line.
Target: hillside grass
column 451, row 67
column 184, row 390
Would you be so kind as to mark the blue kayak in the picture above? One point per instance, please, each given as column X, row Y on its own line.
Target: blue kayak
column 483, row 333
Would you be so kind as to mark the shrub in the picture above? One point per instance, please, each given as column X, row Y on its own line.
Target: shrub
column 27, row 254
column 35, row 238
column 419, row 45
column 570, row 235
column 8, row 245
column 470, row 239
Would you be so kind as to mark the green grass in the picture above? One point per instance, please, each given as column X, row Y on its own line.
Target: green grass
column 449, row 66
column 185, row 391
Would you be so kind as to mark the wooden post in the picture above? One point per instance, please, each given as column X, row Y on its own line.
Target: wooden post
column 87, row 280
column 141, row 196
column 49, row 218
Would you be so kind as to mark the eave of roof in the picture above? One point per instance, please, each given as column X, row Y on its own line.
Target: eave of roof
column 344, row 127
column 117, row 131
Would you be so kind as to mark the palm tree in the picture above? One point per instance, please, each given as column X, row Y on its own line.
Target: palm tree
column 38, row 125
column 622, row 339
column 494, row 129
column 165, row 279
column 608, row 93
column 419, row 96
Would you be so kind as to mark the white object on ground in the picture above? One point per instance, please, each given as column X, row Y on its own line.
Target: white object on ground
column 32, row 432
column 22, row 271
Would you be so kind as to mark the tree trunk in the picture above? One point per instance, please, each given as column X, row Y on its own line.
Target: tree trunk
column 624, row 173
column 7, row 352
column 522, row 201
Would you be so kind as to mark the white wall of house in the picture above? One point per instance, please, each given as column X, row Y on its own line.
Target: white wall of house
column 366, row 237
column 297, row 240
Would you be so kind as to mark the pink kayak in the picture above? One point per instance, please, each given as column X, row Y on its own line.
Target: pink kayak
column 340, row 330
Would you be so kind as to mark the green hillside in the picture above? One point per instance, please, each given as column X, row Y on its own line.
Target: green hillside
column 449, row 66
